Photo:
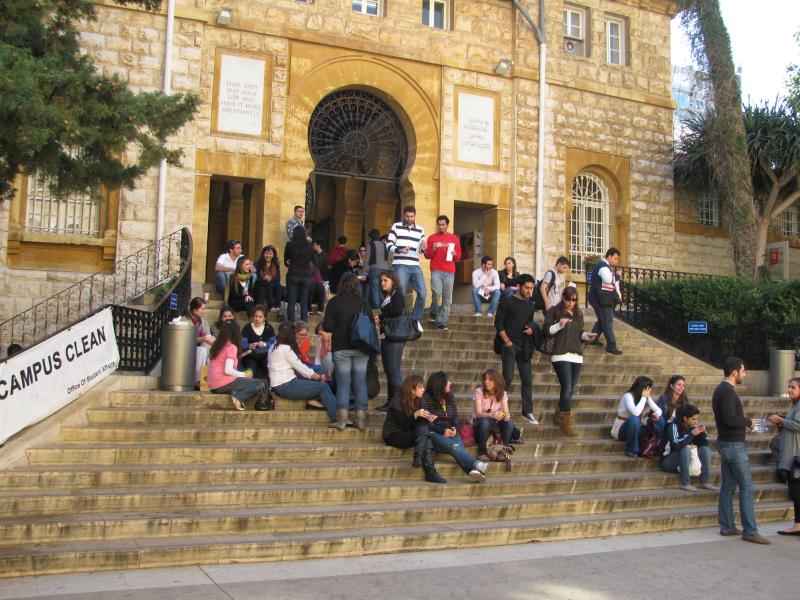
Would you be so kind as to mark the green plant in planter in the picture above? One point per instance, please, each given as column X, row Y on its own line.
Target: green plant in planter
column 590, row 261
column 780, row 314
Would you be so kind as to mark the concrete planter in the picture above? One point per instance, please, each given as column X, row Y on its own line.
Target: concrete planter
column 781, row 370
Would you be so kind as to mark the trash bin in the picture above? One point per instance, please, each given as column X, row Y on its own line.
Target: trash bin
column 178, row 355
column 781, row 370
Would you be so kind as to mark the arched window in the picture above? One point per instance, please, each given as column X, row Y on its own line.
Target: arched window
column 589, row 222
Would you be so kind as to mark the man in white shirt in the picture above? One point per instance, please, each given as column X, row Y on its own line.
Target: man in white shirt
column 407, row 242
column 486, row 287
column 226, row 264
column 552, row 285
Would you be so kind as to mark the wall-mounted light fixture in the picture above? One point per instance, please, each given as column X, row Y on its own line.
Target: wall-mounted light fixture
column 225, row 16
column 504, row 66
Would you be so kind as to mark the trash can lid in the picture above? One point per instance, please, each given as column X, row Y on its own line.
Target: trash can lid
column 180, row 323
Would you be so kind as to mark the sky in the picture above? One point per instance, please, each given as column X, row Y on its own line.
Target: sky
column 763, row 43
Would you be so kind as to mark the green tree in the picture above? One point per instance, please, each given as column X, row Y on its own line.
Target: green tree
column 61, row 117
column 773, row 146
column 793, row 82
column 727, row 156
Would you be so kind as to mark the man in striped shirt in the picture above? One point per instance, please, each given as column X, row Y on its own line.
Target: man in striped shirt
column 407, row 242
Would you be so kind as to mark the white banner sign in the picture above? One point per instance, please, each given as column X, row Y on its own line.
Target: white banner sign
column 47, row 377
column 476, row 129
column 240, row 105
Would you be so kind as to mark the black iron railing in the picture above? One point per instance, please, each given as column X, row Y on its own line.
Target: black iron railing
column 164, row 264
column 633, row 277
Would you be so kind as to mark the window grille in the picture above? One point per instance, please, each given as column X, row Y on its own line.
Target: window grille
column 709, row 211
column 589, row 222
column 70, row 215
column 790, row 222
column 434, row 13
column 366, row 7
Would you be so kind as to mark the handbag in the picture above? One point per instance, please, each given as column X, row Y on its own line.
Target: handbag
column 401, row 329
column 265, row 400
column 695, row 467
column 649, row 442
column 363, row 335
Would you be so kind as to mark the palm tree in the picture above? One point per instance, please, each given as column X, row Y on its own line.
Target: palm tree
column 727, row 157
column 773, row 149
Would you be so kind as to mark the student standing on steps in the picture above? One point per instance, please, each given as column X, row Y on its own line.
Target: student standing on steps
column 565, row 321
column 407, row 425
column 732, row 448
column 514, row 325
column 552, row 285
column 789, row 425
column 603, row 296
column 444, row 250
column 407, row 241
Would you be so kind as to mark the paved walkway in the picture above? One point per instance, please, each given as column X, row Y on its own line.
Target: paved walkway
column 691, row 564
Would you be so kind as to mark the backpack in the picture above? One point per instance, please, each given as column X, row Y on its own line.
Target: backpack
column 538, row 299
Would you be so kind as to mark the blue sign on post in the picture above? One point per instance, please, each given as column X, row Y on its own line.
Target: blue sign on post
column 698, row 327
column 173, row 301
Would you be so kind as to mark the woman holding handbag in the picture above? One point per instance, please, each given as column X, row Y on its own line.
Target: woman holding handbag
column 490, row 410
column 789, row 464
column 685, row 437
column 407, row 425
column 564, row 322
column 628, row 423
column 392, row 305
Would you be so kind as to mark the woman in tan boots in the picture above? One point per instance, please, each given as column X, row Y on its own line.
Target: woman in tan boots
column 564, row 322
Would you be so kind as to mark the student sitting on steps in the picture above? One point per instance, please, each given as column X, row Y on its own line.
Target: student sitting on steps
column 223, row 377
column 684, row 437
column 628, row 422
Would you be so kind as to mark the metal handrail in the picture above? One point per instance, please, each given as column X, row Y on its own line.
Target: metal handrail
column 134, row 275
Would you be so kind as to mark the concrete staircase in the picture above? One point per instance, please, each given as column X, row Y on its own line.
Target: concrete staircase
column 162, row 479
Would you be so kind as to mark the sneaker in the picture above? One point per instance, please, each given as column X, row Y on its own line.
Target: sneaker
column 441, row 327
column 477, row 476
column 708, row 486
column 432, row 318
column 480, row 466
column 477, row 315
column 419, row 326
column 688, row 488
column 755, row 538
column 489, row 315
column 530, row 418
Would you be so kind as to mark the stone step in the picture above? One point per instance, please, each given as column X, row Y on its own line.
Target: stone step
column 50, row 500
column 192, row 416
column 89, row 476
column 282, row 520
column 170, row 454
column 207, row 400
column 66, row 557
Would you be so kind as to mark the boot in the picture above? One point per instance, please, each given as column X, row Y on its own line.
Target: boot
column 361, row 420
column 556, row 417
column 421, row 444
column 341, row 420
column 431, row 475
column 566, row 424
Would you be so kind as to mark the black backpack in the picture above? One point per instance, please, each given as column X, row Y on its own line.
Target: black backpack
column 538, row 299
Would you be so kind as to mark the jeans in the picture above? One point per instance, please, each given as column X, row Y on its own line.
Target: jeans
column 629, row 432
column 455, row 448
column 483, row 427
column 374, row 295
column 299, row 289
column 350, row 367
column 413, row 274
column 494, row 300
column 683, row 459
column 307, row 389
column 736, row 472
column 510, row 357
column 241, row 388
column 568, row 374
column 221, row 281
column 391, row 355
column 605, row 323
column 441, row 295
column 269, row 293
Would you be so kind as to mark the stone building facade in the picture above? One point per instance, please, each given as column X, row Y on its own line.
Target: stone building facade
column 457, row 134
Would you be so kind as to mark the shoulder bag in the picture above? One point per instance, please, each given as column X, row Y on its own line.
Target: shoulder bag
column 401, row 329
column 363, row 335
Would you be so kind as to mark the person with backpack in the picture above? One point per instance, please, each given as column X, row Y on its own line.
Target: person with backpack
column 376, row 262
column 515, row 333
column 549, row 288
column 603, row 296
column 564, row 321
column 444, row 250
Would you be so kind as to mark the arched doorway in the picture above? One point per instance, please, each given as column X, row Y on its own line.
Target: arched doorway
column 360, row 153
